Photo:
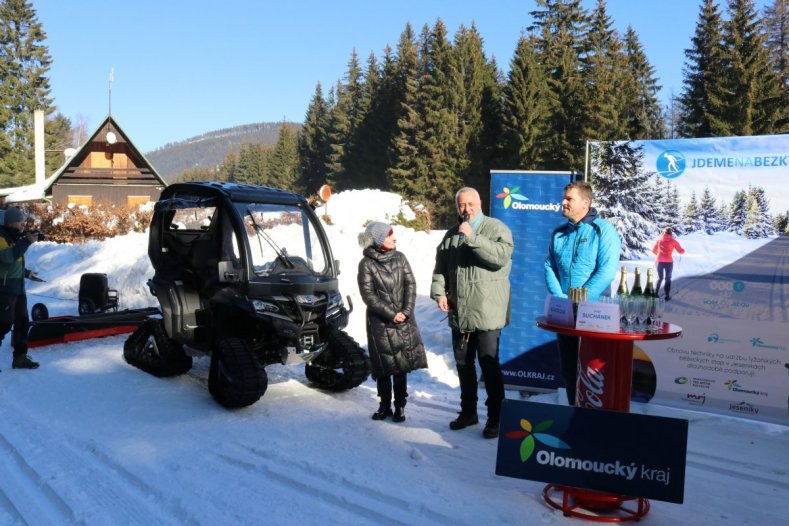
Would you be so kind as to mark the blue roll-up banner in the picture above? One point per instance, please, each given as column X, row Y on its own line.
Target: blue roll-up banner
column 530, row 204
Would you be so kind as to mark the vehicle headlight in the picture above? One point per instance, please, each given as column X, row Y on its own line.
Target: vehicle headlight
column 335, row 301
column 264, row 306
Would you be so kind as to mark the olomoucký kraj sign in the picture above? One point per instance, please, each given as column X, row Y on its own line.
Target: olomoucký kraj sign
column 611, row 451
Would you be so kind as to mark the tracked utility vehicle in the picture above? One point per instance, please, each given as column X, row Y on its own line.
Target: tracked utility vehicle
column 244, row 274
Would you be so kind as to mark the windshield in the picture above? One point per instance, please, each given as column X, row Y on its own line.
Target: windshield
column 282, row 239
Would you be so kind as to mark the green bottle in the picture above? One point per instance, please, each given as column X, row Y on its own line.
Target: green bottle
column 649, row 290
column 622, row 291
column 637, row 290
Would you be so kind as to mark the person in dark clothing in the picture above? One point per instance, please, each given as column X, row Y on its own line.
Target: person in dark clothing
column 471, row 283
column 13, row 301
column 388, row 288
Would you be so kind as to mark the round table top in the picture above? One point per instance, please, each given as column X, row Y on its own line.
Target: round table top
column 667, row 331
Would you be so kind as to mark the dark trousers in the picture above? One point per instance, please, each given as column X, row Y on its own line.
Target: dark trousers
column 568, row 361
column 400, row 384
column 664, row 271
column 482, row 345
column 13, row 312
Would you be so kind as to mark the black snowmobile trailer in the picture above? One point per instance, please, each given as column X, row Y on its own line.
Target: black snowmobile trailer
column 63, row 329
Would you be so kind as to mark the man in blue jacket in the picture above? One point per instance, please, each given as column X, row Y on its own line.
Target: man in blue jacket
column 584, row 252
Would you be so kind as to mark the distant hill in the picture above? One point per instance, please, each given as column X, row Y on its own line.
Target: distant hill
column 210, row 149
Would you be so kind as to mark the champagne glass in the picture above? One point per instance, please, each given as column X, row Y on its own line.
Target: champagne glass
column 660, row 308
column 630, row 312
column 651, row 310
column 641, row 313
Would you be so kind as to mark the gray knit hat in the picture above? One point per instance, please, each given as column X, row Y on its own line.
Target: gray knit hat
column 375, row 234
column 12, row 215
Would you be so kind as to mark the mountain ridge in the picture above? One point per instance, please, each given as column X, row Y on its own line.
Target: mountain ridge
column 209, row 149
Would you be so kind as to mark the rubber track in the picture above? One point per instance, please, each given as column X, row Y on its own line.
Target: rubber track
column 170, row 360
column 236, row 378
column 343, row 353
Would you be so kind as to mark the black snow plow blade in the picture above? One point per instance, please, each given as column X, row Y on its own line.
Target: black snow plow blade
column 62, row 329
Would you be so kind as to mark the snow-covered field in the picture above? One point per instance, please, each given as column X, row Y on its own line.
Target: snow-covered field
column 88, row 439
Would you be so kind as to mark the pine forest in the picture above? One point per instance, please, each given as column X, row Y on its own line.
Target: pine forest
column 434, row 113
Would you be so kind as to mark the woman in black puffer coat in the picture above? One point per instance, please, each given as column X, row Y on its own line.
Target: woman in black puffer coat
column 388, row 288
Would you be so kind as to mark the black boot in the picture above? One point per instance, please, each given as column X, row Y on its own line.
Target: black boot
column 384, row 410
column 464, row 420
column 23, row 361
column 491, row 428
column 399, row 414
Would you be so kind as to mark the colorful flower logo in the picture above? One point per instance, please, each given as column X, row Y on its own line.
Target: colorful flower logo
column 732, row 385
column 508, row 195
column 529, row 435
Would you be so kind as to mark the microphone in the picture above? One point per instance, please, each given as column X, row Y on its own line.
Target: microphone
column 463, row 219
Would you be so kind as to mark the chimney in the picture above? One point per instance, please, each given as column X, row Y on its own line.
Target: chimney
column 38, row 145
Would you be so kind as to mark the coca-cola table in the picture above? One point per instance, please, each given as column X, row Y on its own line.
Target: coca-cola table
column 605, row 371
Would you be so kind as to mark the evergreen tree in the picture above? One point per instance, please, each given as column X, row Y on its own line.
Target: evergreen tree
column 758, row 222
column 660, row 197
column 643, row 115
column 251, row 165
column 737, row 212
column 781, row 224
column 691, row 216
column 704, row 87
column 477, row 80
column 408, row 170
column 673, row 209
column 313, row 145
column 619, row 185
column 338, row 133
column 754, row 94
column 526, row 110
column 438, row 142
column 368, row 158
column 227, row 169
column 24, row 88
column 776, row 30
column 611, row 92
column 283, row 160
column 708, row 213
column 560, row 28
column 672, row 116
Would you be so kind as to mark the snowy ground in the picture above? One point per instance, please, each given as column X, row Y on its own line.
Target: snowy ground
column 88, row 439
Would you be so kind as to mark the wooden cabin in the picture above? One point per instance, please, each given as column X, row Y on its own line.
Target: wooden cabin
column 107, row 168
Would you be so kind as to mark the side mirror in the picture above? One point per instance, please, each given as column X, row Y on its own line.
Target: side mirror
column 227, row 272
column 337, row 266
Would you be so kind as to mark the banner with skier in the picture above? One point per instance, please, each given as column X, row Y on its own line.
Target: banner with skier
column 724, row 203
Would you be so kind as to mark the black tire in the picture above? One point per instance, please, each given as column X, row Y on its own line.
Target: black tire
column 236, row 378
column 39, row 312
column 151, row 350
column 343, row 365
column 86, row 306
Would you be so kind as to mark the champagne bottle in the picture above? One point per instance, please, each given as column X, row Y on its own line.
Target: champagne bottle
column 637, row 290
column 622, row 291
column 649, row 293
column 649, row 290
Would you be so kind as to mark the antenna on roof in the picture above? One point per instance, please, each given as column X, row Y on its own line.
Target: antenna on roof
column 112, row 75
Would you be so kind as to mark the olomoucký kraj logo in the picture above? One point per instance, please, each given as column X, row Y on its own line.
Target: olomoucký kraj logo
column 670, row 164
column 529, row 434
column 508, row 195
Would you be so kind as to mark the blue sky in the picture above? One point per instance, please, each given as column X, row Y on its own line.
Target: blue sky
column 183, row 68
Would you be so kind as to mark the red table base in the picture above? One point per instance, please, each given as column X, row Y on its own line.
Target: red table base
column 595, row 505
column 605, row 371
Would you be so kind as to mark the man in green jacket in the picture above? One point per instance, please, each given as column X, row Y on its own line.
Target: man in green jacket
column 13, row 301
column 471, row 283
